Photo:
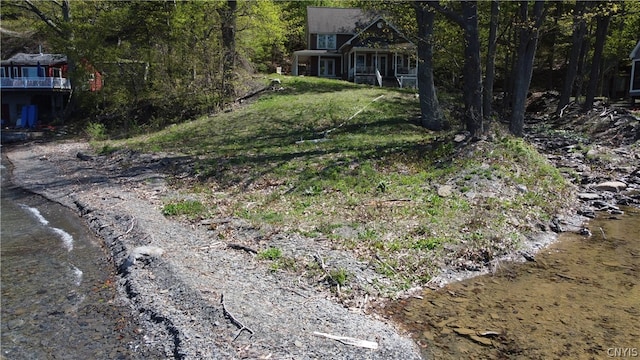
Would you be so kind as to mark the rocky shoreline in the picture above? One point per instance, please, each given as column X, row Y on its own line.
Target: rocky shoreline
column 197, row 298
column 597, row 150
column 200, row 298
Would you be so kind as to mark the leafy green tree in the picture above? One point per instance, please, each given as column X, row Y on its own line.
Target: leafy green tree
column 262, row 34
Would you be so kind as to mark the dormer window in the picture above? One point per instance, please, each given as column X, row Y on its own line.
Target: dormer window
column 327, row 41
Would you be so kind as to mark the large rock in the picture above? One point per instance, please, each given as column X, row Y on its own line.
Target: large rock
column 589, row 196
column 445, row 190
column 613, row 186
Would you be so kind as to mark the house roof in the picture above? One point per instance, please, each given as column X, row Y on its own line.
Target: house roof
column 35, row 59
column 635, row 54
column 394, row 38
column 328, row 20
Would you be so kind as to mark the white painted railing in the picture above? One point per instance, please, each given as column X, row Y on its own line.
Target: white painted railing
column 35, row 83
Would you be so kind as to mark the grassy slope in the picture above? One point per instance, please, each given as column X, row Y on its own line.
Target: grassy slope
column 372, row 186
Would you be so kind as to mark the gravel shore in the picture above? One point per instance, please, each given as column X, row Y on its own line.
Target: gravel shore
column 199, row 297
column 196, row 297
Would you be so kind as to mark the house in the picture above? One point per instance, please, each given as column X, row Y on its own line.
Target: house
column 35, row 88
column 634, row 87
column 355, row 45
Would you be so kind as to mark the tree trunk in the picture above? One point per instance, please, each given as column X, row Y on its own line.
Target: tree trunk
column 579, row 32
column 472, row 71
column 431, row 116
column 228, row 17
column 509, row 68
column 584, row 50
column 551, row 40
column 524, row 64
column 596, row 62
column 490, row 71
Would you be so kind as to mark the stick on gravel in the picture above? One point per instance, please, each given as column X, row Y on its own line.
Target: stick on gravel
column 350, row 341
column 235, row 321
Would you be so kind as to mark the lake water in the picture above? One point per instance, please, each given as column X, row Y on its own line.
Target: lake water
column 58, row 292
column 580, row 299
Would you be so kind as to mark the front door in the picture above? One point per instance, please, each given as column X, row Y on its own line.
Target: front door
column 327, row 67
column 380, row 62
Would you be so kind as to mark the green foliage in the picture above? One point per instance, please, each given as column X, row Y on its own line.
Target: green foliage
column 189, row 208
column 263, row 35
column 429, row 243
column 96, row 131
column 339, row 276
column 271, row 253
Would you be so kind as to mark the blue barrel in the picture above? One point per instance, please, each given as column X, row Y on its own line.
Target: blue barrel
column 33, row 116
column 24, row 118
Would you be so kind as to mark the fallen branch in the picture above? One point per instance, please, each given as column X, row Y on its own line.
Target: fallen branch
column 242, row 247
column 564, row 276
column 349, row 340
column 384, row 264
column 327, row 132
column 253, row 93
column 235, row 321
column 133, row 222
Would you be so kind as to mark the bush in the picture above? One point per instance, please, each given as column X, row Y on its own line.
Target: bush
column 96, row 131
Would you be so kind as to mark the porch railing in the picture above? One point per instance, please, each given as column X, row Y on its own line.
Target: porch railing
column 35, row 83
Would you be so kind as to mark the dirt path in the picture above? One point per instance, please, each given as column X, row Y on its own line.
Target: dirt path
column 175, row 275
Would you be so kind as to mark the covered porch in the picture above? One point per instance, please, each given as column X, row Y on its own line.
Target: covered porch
column 322, row 63
column 382, row 67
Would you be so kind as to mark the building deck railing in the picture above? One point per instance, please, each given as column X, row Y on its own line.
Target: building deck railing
column 35, row 83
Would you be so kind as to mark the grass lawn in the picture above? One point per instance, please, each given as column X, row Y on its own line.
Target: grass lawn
column 350, row 163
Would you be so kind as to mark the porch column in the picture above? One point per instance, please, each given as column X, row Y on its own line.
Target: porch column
column 395, row 63
column 375, row 63
column 355, row 67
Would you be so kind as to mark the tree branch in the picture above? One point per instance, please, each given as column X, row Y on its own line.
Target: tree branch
column 448, row 13
column 31, row 7
column 15, row 33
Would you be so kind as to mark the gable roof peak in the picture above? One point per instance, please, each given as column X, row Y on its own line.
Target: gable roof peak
column 335, row 20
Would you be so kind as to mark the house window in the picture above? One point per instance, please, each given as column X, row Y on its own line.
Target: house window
column 327, row 67
column 16, row 72
column 57, row 72
column 326, row 41
column 29, row 71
